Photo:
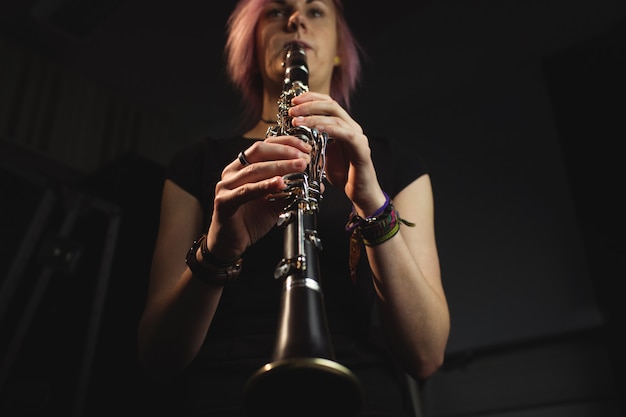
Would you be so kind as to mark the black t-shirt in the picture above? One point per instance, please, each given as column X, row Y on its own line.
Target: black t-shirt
column 243, row 333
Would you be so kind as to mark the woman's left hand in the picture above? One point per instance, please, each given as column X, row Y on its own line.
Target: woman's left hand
column 348, row 157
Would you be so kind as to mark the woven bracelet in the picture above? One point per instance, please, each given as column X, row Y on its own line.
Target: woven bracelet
column 372, row 231
column 383, row 229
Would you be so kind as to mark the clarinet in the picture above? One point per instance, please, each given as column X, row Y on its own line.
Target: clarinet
column 303, row 377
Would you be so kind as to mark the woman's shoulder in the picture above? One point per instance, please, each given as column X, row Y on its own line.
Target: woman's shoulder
column 197, row 165
column 206, row 146
column 398, row 161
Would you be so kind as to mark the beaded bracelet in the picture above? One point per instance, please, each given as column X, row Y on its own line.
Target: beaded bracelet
column 211, row 270
column 358, row 221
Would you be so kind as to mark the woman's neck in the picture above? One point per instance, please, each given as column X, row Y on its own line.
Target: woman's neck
column 269, row 113
column 259, row 131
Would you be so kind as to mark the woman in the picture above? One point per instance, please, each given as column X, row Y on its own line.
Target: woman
column 207, row 331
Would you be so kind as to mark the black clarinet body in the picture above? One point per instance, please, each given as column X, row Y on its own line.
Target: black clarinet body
column 303, row 378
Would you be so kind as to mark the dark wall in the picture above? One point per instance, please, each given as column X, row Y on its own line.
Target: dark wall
column 587, row 88
column 521, row 133
column 76, row 256
column 488, row 111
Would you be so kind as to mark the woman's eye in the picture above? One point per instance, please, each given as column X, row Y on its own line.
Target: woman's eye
column 276, row 13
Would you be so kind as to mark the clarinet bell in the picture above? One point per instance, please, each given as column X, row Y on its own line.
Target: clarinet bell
column 303, row 387
column 303, row 379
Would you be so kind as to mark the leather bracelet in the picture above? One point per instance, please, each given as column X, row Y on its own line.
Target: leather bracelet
column 209, row 258
column 208, row 272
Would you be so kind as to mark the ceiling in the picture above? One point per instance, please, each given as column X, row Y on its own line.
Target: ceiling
column 167, row 54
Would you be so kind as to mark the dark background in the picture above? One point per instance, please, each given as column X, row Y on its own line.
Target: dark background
column 518, row 107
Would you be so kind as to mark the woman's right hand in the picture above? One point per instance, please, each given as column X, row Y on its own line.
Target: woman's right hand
column 242, row 213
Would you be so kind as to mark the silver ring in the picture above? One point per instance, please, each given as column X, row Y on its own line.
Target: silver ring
column 242, row 159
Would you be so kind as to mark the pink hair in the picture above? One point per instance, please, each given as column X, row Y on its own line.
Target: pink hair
column 241, row 63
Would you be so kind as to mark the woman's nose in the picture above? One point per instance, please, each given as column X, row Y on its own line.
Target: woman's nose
column 295, row 21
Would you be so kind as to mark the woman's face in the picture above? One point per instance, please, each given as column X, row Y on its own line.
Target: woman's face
column 311, row 22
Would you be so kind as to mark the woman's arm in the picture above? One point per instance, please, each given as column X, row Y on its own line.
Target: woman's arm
column 407, row 279
column 179, row 308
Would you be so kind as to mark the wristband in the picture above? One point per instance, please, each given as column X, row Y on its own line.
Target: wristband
column 211, row 271
column 372, row 230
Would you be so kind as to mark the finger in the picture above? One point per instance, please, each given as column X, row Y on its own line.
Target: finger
column 310, row 96
column 259, row 172
column 322, row 112
column 281, row 149
column 230, row 199
column 290, row 141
